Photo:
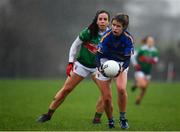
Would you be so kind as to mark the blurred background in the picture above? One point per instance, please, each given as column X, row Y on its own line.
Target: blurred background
column 35, row 35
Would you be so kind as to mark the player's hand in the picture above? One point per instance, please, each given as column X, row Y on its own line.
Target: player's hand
column 137, row 67
column 143, row 59
column 69, row 68
column 152, row 61
column 101, row 70
column 147, row 59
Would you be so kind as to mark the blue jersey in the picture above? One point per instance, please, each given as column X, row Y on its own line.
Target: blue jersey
column 118, row 48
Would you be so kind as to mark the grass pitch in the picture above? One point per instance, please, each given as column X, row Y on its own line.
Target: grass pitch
column 23, row 101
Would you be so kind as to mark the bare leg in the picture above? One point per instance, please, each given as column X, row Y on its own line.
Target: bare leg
column 140, row 96
column 69, row 85
column 142, row 84
column 60, row 96
column 121, row 83
column 99, row 104
column 106, row 96
column 121, row 89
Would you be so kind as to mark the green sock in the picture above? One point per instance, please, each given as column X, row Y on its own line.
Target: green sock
column 97, row 115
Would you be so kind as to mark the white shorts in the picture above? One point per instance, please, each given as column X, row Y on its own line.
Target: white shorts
column 101, row 77
column 142, row 75
column 83, row 71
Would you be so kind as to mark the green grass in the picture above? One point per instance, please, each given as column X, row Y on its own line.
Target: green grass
column 22, row 101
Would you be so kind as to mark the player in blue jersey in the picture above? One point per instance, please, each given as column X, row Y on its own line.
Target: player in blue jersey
column 116, row 44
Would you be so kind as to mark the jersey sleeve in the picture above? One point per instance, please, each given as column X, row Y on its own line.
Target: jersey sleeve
column 74, row 49
column 133, row 58
column 156, row 56
column 129, row 50
column 139, row 52
column 156, row 53
column 84, row 35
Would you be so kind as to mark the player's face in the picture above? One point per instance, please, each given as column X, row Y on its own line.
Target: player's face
column 102, row 21
column 150, row 41
column 117, row 28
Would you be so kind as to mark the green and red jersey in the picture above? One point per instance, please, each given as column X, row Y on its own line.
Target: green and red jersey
column 145, row 53
column 86, row 54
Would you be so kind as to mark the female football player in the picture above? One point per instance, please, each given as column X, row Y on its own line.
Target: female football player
column 116, row 44
column 142, row 61
column 84, row 65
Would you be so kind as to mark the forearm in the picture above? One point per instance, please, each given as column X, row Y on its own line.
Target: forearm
column 98, row 58
column 150, row 60
column 154, row 60
column 133, row 59
column 126, row 62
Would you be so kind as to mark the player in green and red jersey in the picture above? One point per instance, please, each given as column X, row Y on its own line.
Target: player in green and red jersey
column 143, row 60
column 82, row 66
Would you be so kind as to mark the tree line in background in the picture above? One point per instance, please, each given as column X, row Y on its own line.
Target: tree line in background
column 35, row 36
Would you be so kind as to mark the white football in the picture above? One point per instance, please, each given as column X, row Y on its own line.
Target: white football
column 111, row 68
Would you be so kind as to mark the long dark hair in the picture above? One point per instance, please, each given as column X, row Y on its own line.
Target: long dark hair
column 93, row 27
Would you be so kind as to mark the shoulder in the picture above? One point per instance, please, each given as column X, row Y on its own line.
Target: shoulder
column 84, row 34
column 138, row 49
column 105, row 35
column 144, row 47
column 85, row 30
column 129, row 37
column 154, row 49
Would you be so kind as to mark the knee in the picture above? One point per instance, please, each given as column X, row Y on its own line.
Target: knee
column 143, row 85
column 122, row 90
column 143, row 88
column 107, row 100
